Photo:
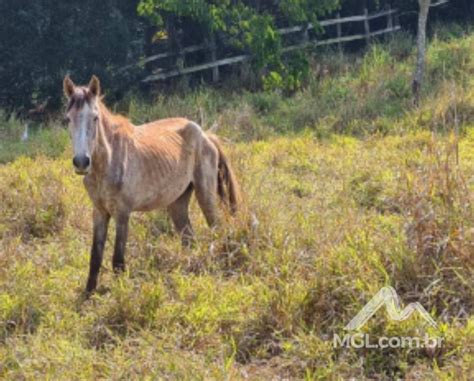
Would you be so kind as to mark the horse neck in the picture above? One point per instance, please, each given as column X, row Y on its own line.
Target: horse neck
column 102, row 155
column 113, row 134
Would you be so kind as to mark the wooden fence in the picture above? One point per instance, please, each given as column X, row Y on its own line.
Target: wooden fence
column 391, row 25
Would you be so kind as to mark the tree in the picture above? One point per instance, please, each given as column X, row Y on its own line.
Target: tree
column 43, row 40
column 421, row 48
column 248, row 25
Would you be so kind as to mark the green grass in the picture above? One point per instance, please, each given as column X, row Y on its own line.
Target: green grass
column 347, row 188
column 50, row 141
column 355, row 95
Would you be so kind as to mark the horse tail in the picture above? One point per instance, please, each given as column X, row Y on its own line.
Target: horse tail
column 227, row 186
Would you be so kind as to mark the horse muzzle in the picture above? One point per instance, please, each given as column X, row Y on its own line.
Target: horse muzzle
column 82, row 164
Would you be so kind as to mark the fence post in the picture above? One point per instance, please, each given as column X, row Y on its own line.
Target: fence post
column 389, row 18
column 339, row 31
column 397, row 18
column 367, row 26
column 305, row 36
column 213, row 49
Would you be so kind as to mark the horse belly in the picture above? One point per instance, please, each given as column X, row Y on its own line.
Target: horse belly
column 160, row 177
column 160, row 195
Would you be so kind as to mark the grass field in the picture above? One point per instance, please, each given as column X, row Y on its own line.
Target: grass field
column 347, row 187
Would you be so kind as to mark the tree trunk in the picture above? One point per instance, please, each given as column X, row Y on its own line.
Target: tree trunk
column 421, row 47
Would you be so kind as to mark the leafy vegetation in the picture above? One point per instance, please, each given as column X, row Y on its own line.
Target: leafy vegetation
column 248, row 25
column 347, row 188
column 44, row 40
column 350, row 94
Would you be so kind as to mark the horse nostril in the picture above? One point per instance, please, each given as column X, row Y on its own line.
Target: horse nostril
column 81, row 161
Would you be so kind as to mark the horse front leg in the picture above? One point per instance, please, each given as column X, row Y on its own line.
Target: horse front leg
column 101, row 223
column 118, row 260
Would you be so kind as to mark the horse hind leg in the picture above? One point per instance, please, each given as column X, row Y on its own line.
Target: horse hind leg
column 206, row 188
column 178, row 212
column 206, row 197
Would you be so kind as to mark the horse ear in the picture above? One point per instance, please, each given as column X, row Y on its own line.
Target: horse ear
column 94, row 86
column 68, row 86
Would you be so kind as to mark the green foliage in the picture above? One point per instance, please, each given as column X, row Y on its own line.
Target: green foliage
column 43, row 40
column 249, row 26
column 305, row 11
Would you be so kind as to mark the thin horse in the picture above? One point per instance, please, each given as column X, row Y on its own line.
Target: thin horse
column 130, row 168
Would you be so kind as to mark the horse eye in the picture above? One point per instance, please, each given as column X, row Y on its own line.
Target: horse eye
column 96, row 118
column 67, row 119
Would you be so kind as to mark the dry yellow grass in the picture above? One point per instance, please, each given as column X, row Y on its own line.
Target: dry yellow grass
column 336, row 221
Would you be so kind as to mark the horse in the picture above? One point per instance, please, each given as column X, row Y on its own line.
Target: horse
column 130, row 168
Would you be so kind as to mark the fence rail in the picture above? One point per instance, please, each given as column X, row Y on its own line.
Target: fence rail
column 392, row 25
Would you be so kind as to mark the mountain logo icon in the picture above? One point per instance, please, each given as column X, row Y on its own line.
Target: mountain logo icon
column 388, row 296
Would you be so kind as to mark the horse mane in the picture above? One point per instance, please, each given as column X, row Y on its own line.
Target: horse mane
column 114, row 122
